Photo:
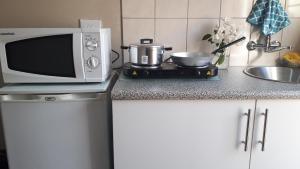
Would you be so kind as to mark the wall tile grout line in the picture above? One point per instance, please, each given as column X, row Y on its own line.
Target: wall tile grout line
column 155, row 21
column 293, row 17
column 221, row 3
column 205, row 18
column 136, row 18
column 198, row 18
column 281, row 36
column 187, row 25
column 122, row 30
column 248, row 53
column 171, row 18
column 250, row 37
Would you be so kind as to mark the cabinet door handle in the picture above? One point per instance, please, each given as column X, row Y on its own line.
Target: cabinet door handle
column 245, row 142
column 263, row 141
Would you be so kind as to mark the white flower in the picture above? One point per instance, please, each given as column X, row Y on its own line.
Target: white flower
column 216, row 38
column 226, row 32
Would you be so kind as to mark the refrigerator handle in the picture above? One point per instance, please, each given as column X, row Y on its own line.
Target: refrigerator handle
column 52, row 97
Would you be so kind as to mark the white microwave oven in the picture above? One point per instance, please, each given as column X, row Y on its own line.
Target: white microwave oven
column 55, row 55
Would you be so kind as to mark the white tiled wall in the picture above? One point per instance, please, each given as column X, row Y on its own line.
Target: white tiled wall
column 196, row 28
column 182, row 24
column 204, row 8
column 175, row 9
column 171, row 32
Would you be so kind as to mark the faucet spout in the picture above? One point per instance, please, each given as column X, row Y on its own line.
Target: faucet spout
column 269, row 46
column 279, row 49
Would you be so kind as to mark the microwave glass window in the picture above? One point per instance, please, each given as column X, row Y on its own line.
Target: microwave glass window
column 49, row 55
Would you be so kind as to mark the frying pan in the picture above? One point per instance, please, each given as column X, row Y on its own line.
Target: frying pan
column 191, row 59
column 198, row 59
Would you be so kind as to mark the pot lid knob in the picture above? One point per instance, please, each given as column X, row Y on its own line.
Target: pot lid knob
column 146, row 41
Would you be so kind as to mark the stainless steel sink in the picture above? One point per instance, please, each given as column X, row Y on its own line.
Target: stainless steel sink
column 279, row 74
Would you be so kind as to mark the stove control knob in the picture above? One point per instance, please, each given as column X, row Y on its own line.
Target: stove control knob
column 91, row 45
column 93, row 62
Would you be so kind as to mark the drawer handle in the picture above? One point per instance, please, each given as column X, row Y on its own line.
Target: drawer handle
column 263, row 141
column 52, row 97
column 245, row 142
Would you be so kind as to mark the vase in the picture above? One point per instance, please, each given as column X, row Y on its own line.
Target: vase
column 225, row 64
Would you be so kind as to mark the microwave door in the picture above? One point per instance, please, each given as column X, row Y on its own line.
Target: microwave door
column 44, row 59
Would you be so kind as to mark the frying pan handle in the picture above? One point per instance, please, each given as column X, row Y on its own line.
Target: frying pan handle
column 229, row 44
column 146, row 41
column 168, row 48
column 124, row 47
column 168, row 59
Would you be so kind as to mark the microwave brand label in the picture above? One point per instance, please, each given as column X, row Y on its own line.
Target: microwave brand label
column 7, row 33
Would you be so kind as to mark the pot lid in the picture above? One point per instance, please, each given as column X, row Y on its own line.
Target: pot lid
column 147, row 45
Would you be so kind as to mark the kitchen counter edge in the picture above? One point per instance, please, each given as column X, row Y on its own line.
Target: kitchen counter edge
column 233, row 85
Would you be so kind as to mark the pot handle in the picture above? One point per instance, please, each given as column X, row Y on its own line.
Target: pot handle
column 124, row 47
column 168, row 48
column 146, row 41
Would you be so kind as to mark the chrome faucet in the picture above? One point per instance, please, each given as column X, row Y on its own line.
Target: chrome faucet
column 269, row 46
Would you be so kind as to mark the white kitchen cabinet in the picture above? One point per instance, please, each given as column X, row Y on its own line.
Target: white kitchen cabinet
column 206, row 134
column 182, row 134
column 282, row 135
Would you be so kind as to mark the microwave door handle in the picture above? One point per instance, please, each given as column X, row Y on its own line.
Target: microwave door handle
column 53, row 97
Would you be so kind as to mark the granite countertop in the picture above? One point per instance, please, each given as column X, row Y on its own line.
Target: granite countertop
column 233, row 84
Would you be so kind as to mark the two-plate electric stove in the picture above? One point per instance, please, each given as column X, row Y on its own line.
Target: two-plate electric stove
column 169, row 70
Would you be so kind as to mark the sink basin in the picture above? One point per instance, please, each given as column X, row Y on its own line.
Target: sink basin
column 279, row 74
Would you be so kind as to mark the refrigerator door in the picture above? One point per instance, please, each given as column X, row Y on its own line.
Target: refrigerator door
column 67, row 131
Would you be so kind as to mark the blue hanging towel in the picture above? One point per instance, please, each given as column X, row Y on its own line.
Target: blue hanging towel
column 269, row 15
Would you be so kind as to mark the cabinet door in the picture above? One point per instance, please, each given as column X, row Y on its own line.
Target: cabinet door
column 282, row 135
column 181, row 134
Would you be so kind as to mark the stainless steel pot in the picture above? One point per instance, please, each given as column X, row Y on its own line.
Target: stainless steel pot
column 146, row 53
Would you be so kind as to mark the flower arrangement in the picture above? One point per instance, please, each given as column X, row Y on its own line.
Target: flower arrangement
column 222, row 35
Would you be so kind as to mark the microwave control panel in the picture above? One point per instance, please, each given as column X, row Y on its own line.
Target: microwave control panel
column 92, row 54
column 96, row 53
